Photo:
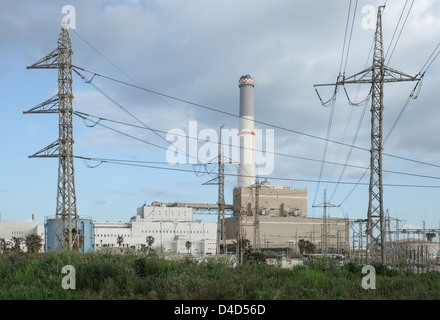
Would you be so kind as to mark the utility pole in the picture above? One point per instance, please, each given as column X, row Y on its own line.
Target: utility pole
column 66, row 229
column 220, row 181
column 324, row 205
column 257, row 216
column 221, row 231
column 376, row 75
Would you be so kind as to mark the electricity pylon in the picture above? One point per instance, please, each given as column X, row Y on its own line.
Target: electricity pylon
column 220, row 181
column 66, row 229
column 257, row 187
column 377, row 75
column 325, row 235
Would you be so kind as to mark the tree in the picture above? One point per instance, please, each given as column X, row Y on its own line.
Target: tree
column 120, row 240
column 242, row 247
column 150, row 241
column 80, row 239
column 306, row 246
column 33, row 242
column 17, row 242
column 188, row 246
column 76, row 232
column 4, row 245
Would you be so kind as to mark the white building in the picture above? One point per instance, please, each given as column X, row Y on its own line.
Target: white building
column 171, row 225
column 14, row 229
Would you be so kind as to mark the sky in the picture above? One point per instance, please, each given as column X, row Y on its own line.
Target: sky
column 173, row 66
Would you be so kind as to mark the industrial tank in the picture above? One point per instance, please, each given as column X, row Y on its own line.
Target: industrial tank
column 86, row 230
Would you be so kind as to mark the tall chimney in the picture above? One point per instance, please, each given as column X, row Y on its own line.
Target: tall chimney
column 246, row 167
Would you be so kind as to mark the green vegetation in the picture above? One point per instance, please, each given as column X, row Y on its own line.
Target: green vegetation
column 120, row 276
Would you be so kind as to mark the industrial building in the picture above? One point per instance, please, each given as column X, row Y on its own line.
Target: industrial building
column 282, row 221
column 10, row 230
column 273, row 200
column 171, row 225
column 85, row 231
column 269, row 216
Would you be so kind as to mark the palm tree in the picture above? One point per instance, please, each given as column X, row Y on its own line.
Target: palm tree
column 188, row 246
column 4, row 245
column 75, row 233
column 120, row 240
column 33, row 242
column 150, row 241
column 17, row 242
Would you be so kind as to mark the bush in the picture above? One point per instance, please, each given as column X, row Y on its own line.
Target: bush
column 383, row 270
column 147, row 267
column 352, row 267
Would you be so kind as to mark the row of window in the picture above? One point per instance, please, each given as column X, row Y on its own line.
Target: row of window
column 17, row 232
column 126, row 245
column 155, row 231
column 174, row 231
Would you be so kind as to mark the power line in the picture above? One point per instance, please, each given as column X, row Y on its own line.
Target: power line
column 256, row 121
column 325, row 147
column 84, row 116
column 145, row 165
column 401, row 29
column 118, row 104
column 351, row 33
column 423, row 70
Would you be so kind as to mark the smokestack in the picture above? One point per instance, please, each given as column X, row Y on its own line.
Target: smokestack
column 246, row 167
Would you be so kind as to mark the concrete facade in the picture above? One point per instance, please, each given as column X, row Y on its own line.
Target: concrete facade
column 274, row 201
column 286, row 232
column 282, row 220
column 15, row 229
column 171, row 226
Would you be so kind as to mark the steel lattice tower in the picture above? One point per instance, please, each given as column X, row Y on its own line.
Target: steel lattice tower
column 257, row 246
column 325, row 233
column 377, row 75
column 220, row 181
column 221, row 231
column 375, row 213
column 66, row 230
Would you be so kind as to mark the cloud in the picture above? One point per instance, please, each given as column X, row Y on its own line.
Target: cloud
column 195, row 51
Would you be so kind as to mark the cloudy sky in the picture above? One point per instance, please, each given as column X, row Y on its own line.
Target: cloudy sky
column 188, row 56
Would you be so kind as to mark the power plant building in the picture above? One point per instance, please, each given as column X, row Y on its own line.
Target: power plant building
column 272, row 216
column 85, row 229
column 171, row 225
column 269, row 216
column 10, row 230
column 273, row 200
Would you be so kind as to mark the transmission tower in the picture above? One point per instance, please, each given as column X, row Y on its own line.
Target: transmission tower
column 325, row 235
column 221, row 231
column 220, row 181
column 257, row 187
column 376, row 75
column 66, row 229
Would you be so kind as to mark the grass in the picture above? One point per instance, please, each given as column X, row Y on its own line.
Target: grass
column 106, row 276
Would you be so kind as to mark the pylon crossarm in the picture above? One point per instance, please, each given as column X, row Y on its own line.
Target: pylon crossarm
column 48, row 62
column 51, row 151
column 365, row 76
column 48, row 106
